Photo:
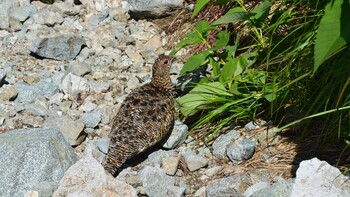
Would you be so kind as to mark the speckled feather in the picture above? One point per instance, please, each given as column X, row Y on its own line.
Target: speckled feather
column 145, row 117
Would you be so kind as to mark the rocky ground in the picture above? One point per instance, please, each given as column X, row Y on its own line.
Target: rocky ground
column 66, row 67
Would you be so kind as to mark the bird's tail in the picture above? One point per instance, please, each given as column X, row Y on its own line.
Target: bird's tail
column 117, row 155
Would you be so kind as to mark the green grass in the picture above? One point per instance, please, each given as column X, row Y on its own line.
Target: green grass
column 293, row 57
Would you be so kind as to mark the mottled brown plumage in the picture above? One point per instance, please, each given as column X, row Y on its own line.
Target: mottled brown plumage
column 144, row 118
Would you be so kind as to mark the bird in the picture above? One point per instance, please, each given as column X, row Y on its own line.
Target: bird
column 145, row 117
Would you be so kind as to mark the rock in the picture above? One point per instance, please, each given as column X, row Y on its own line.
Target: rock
column 38, row 108
column 153, row 8
column 102, row 144
column 318, row 178
column 62, row 47
column 4, row 38
column 5, row 6
column 193, row 161
column 157, row 156
column 87, row 177
column 27, row 93
column 212, row 171
column 178, row 134
column 48, row 87
column 98, row 86
column 91, row 119
column 94, row 20
column 65, row 8
column 174, row 191
column 154, row 44
column 240, row 150
column 201, row 192
column 33, row 121
column 169, row 164
column 254, row 124
column 256, row 188
column 88, row 106
column 79, row 68
column 2, row 77
column 35, row 157
column 155, row 181
column 46, row 17
column 72, row 84
column 72, row 130
column 224, row 187
column 220, row 144
column 282, row 188
column 21, row 13
column 7, row 93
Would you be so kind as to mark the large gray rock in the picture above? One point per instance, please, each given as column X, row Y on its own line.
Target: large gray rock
column 87, row 177
column 224, row 187
column 49, row 18
column 21, row 13
column 32, row 158
column 240, row 150
column 63, row 47
column 281, row 188
column 5, row 6
column 177, row 135
column 27, row 93
column 155, row 181
column 153, row 8
column 220, row 144
column 318, row 178
column 72, row 130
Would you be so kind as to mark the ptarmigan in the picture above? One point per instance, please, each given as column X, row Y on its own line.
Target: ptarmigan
column 144, row 118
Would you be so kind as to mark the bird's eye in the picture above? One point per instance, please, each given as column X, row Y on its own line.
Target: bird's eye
column 166, row 62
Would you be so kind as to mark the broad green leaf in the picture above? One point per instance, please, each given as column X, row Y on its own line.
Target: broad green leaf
column 199, row 5
column 191, row 38
column 270, row 92
column 222, row 39
column 201, row 95
column 194, row 62
column 203, row 27
column 236, row 14
column 261, row 11
column 247, row 59
column 333, row 32
column 231, row 69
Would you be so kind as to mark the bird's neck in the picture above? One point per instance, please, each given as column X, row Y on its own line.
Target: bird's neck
column 163, row 83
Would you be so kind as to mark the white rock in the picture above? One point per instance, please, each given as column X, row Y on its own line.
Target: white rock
column 73, row 84
column 318, row 178
column 88, row 178
column 201, row 192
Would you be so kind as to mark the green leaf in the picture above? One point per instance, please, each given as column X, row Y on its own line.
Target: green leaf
column 203, row 27
column 191, row 38
column 236, row 14
column 222, row 39
column 199, row 5
column 231, row 69
column 333, row 32
column 201, row 95
column 270, row 92
column 261, row 11
column 247, row 59
column 194, row 62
